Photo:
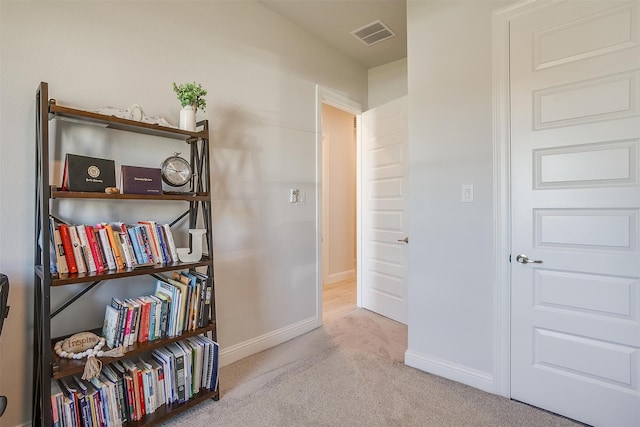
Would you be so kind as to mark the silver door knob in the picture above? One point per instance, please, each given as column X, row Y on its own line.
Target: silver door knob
column 405, row 240
column 523, row 259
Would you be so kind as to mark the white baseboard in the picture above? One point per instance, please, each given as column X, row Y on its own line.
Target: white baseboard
column 271, row 339
column 338, row 277
column 459, row 373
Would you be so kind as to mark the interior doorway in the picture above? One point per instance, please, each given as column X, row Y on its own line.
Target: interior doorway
column 339, row 211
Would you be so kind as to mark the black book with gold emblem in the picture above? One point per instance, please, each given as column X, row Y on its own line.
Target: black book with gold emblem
column 82, row 173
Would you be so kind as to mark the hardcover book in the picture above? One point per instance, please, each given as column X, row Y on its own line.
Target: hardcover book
column 91, row 174
column 139, row 180
column 110, row 325
column 68, row 248
column 60, row 258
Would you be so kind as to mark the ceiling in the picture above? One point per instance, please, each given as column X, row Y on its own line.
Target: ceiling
column 334, row 20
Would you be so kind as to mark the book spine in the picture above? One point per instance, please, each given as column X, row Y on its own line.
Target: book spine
column 77, row 249
column 208, row 296
column 128, row 324
column 129, row 258
column 135, row 324
column 53, row 260
column 141, row 400
column 86, row 248
column 110, row 325
column 201, row 308
column 151, row 225
column 115, row 246
column 123, row 400
column 165, row 254
column 129, row 245
column 152, row 241
column 158, row 306
column 133, row 237
column 145, row 245
column 171, row 242
column 95, row 248
column 180, row 383
column 106, row 247
column 131, row 393
column 122, row 316
column 98, row 412
column 152, row 318
column 55, row 417
column 68, row 248
column 143, row 334
column 63, row 268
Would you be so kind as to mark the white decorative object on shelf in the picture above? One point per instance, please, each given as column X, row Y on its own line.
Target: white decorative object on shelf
column 188, row 118
column 135, row 112
column 155, row 120
column 196, row 246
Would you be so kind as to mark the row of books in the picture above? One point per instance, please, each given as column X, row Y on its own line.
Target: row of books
column 180, row 303
column 110, row 246
column 129, row 389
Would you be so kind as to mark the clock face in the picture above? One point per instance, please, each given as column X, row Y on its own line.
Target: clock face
column 176, row 171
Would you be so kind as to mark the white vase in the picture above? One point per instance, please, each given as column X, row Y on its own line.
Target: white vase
column 188, row 118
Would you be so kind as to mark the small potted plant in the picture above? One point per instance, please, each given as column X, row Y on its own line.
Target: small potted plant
column 191, row 97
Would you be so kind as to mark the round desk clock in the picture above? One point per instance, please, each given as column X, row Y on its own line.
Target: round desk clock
column 176, row 171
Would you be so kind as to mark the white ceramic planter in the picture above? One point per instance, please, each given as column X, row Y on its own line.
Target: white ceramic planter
column 188, row 118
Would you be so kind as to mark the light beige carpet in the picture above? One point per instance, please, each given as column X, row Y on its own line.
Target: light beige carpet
column 350, row 372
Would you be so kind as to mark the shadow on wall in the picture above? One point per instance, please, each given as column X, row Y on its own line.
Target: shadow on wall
column 239, row 202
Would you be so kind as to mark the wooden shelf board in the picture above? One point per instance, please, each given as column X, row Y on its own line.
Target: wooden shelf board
column 62, row 367
column 74, row 278
column 56, row 193
column 113, row 122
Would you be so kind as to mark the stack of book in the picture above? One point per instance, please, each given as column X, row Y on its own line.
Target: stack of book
column 110, row 246
column 129, row 389
column 179, row 304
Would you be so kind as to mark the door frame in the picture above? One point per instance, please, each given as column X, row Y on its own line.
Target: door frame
column 326, row 95
column 501, row 21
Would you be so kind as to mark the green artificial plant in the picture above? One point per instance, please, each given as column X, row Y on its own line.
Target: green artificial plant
column 191, row 94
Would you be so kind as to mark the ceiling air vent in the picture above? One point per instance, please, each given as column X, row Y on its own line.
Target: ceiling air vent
column 373, row 33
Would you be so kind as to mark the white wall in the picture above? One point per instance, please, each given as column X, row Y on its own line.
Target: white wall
column 260, row 71
column 387, row 82
column 339, row 195
column 450, row 144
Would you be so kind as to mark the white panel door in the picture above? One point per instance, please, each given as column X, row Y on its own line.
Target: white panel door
column 575, row 154
column 384, row 210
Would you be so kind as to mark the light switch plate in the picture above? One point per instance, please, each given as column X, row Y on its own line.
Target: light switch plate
column 294, row 194
column 466, row 193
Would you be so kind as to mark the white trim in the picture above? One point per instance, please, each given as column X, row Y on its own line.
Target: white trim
column 337, row 100
column 325, row 204
column 459, row 373
column 338, row 277
column 359, row 210
column 268, row 340
column 501, row 191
